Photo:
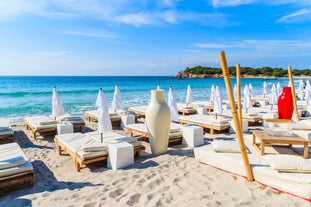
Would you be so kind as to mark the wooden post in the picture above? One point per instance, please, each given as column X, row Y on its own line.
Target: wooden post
column 239, row 133
column 238, row 96
column 290, row 75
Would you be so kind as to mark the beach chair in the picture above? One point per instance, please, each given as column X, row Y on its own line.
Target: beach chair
column 282, row 169
column 185, row 110
column 140, row 129
column 87, row 148
column 207, row 122
column 92, row 115
column 6, row 131
column 139, row 111
column 41, row 125
column 16, row 170
column 76, row 120
column 47, row 125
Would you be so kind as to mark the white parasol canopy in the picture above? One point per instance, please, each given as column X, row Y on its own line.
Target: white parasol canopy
column 247, row 100
column 116, row 101
column 189, row 95
column 172, row 105
column 308, row 91
column 217, row 101
column 235, row 91
column 104, row 123
column 212, row 93
column 274, row 96
column 301, row 85
column 265, row 89
column 57, row 105
column 251, row 90
column 278, row 88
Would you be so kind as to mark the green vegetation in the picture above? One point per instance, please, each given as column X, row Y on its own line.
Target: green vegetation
column 264, row 71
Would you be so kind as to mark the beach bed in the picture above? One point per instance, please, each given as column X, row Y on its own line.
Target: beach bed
column 265, row 168
column 140, row 129
column 140, row 111
column 16, row 170
column 48, row 126
column 92, row 115
column 206, row 122
column 206, row 104
column 6, row 131
column 185, row 110
column 253, row 119
column 87, row 148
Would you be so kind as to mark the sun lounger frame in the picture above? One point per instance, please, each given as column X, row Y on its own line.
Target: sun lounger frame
column 80, row 162
column 212, row 128
column 49, row 131
column 17, row 181
column 9, row 137
column 115, row 120
column 174, row 138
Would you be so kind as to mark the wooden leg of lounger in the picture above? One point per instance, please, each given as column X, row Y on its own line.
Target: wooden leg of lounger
column 77, row 165
column 212, row 131
column 34, row 134
column 59, row 150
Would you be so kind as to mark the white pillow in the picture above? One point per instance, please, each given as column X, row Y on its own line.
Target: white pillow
column 289, row 163
column 95, row 147
column 47, row 122
column 225, row 146
column 124, row 139
column 12, row 162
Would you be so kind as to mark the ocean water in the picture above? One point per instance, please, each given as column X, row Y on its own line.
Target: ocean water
column 22, row 96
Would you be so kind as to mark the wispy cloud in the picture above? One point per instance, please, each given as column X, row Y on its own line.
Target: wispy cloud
column 231, row 3
column 97, row 34
column 300, row 16
column 52, row 53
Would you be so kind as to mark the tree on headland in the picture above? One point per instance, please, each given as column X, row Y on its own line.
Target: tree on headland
column 202, row 72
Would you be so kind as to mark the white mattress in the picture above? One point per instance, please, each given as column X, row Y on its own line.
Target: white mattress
column 76, row 141
column 174, row 128
column 298, row 184
column 9, row 152
column 41, row 122
column 206, row 119
column 4, row 124
column 8, row 131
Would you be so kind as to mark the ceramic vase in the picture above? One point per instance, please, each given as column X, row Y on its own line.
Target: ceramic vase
column 158, row 120
column 285, row 104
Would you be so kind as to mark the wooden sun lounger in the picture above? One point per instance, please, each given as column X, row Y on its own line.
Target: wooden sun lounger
column 204, row 122
column 139, row 110
column 6, row 131
column 49, row 129
column 139, row 129
column 93, row 116
column 15, row 177
column 81, row 162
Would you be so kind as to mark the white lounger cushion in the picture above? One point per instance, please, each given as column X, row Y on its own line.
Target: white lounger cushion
column 67, row 117
column 41, row 122
column 289, row 163
column 13, row 152
column 6, row 131
column 225, row 146
column 4, row 124
column 95, row 147
column 12, row 162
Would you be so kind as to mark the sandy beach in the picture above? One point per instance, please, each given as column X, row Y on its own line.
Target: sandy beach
column 171, row 179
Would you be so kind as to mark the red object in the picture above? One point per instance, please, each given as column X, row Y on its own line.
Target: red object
column 285, row 104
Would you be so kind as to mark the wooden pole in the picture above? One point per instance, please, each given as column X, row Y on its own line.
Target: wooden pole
column 290, row 75
column 239, row 133
column 238, row 93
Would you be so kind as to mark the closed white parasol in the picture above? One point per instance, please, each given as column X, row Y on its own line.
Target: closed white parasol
column 172, row 105
column 104, row 123
column 57, row 105
column 116, row 101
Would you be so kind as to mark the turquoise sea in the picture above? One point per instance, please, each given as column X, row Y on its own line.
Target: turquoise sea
column 22, row 96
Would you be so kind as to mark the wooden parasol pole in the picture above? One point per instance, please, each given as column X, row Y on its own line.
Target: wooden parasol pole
column 223, row 62
column 238, row 93
column 290, row 75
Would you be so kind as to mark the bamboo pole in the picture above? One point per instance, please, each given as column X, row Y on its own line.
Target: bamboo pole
column 290, row 75
column 238, row 93
column 239, row 133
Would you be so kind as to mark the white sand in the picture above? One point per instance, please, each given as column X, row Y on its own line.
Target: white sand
column 172, row 179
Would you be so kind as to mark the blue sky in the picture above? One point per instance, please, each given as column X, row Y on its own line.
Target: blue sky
column 150, row 37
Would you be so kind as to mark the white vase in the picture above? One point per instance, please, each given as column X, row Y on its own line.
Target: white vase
column 158, row 120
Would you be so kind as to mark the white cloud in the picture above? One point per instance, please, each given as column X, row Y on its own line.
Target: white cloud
column 98, row 34
column 299, row 16
column 52, row 53
column 231, row 3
